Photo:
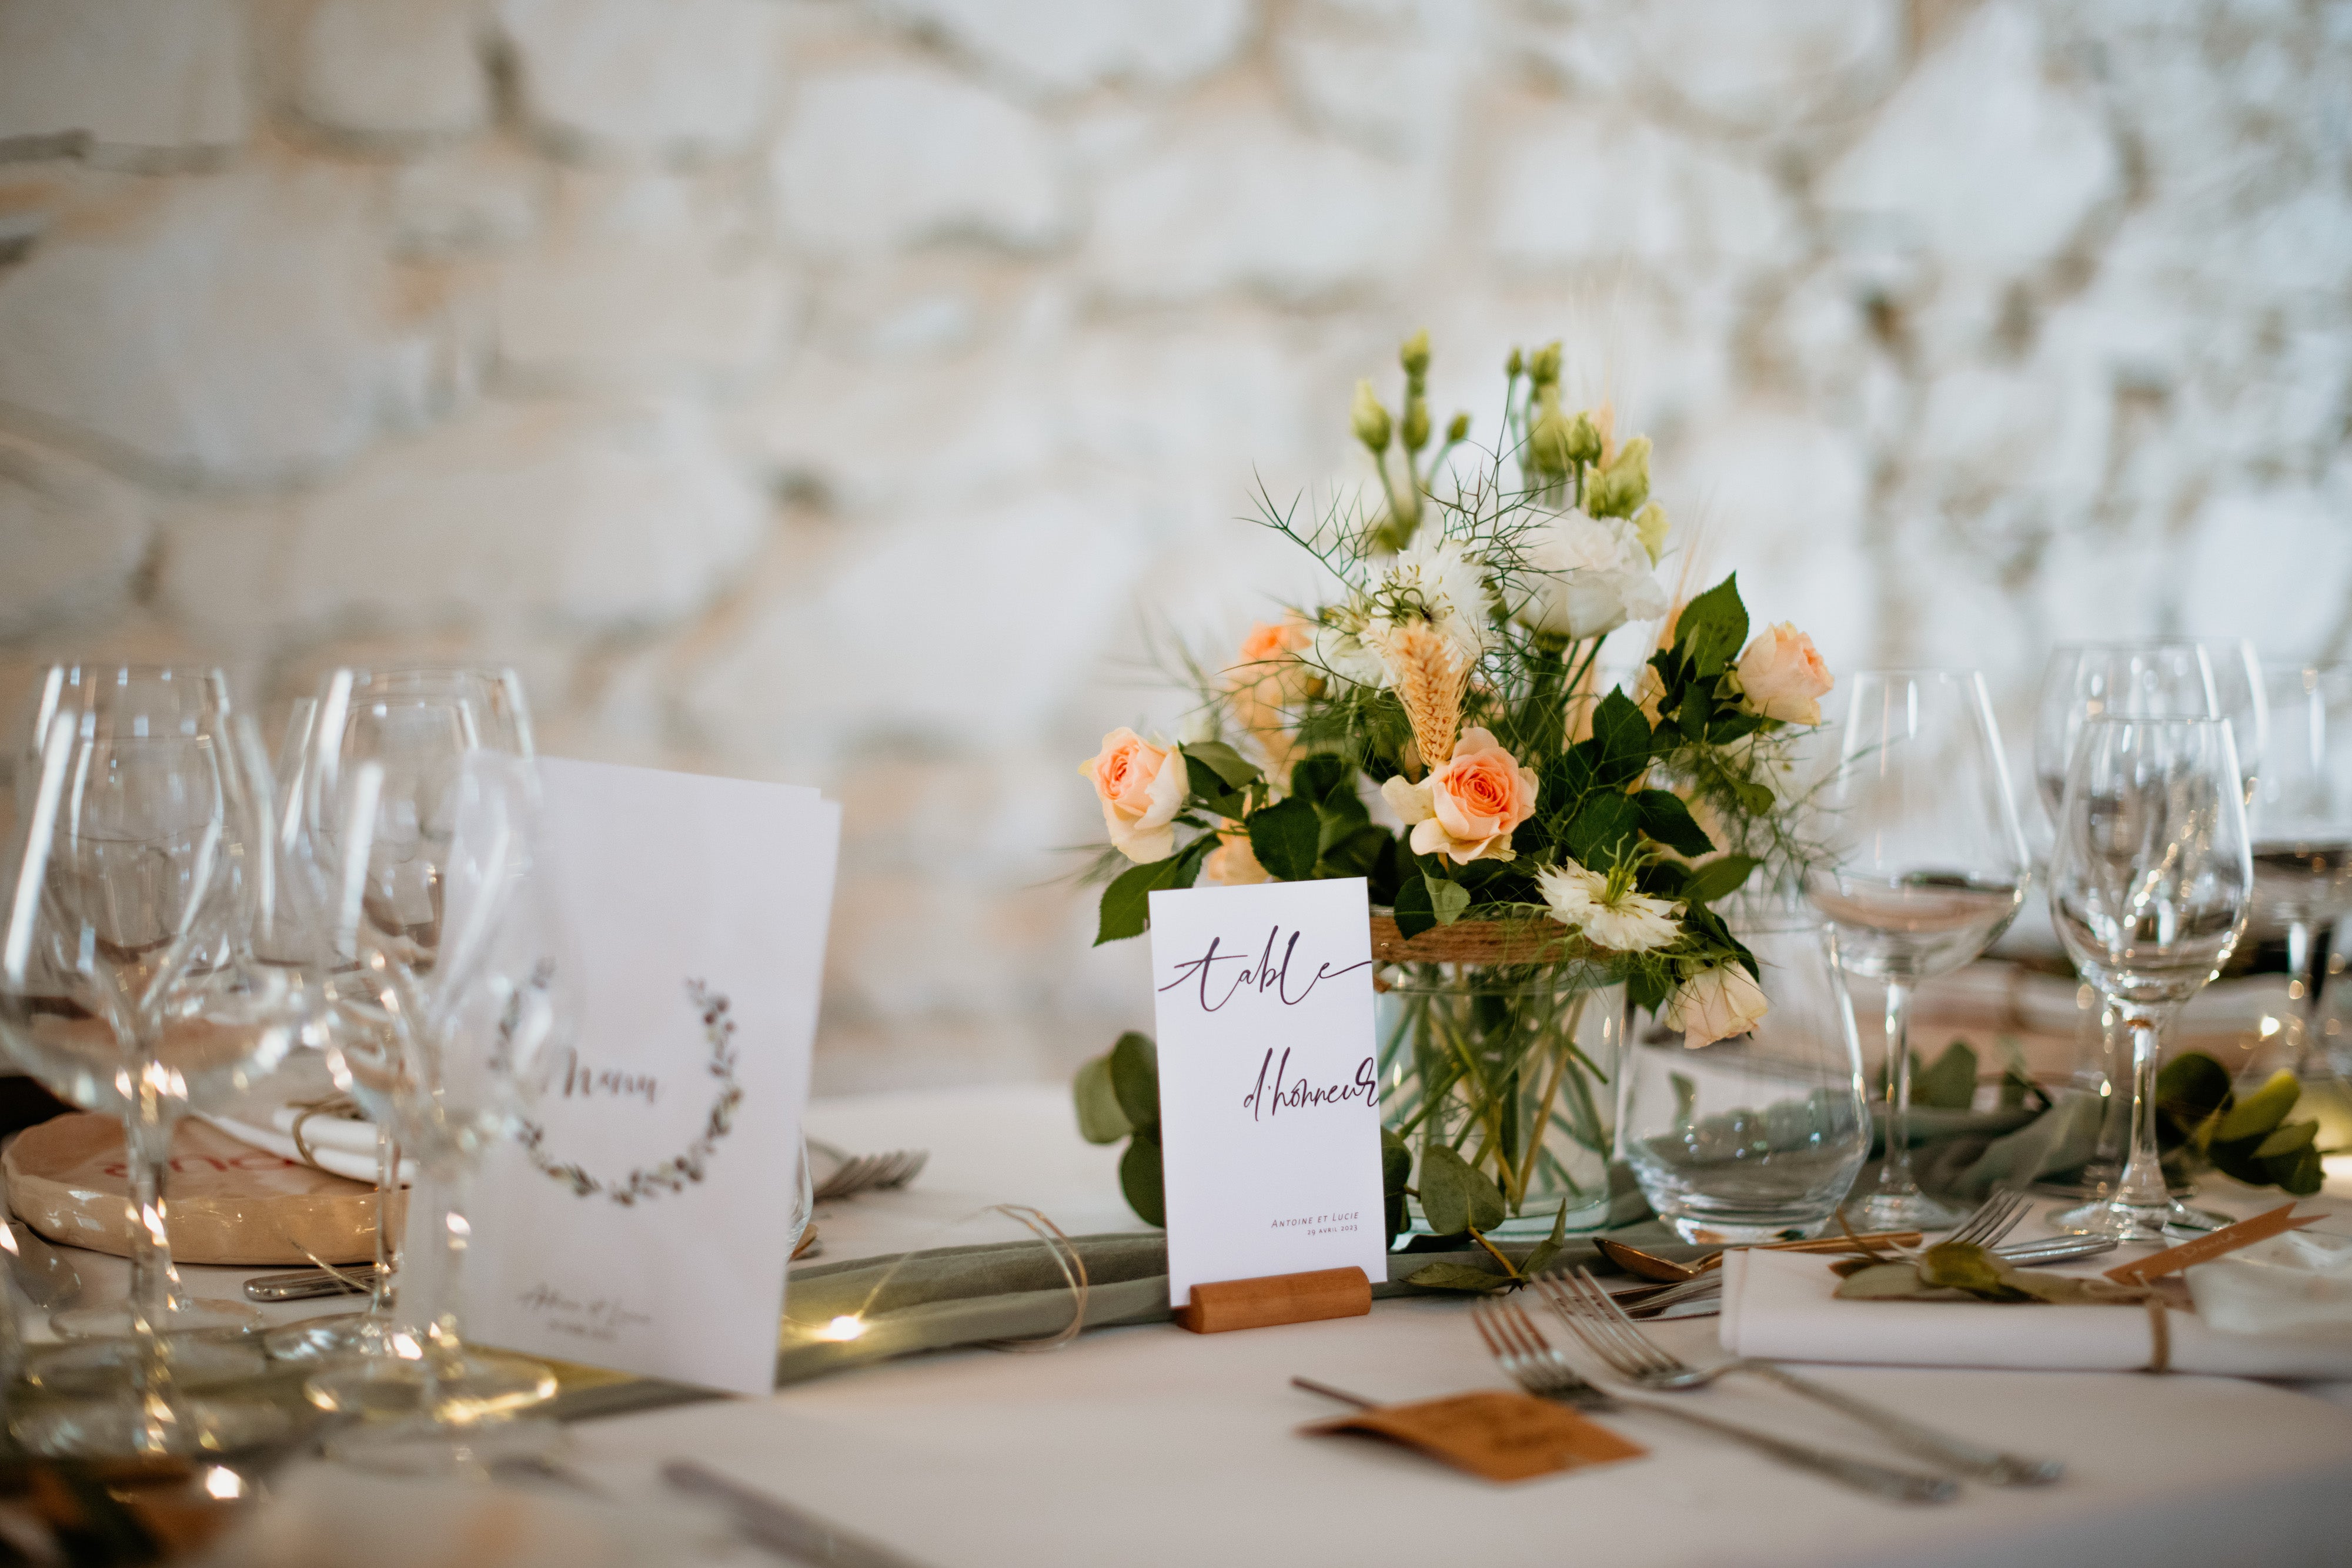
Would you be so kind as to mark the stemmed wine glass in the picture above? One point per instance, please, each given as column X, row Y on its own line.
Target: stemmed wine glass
column 473, row 1034
column 2302, row 822
column 2150, row 880
column 1927, row 866
column 415, row 725
column 143, row 972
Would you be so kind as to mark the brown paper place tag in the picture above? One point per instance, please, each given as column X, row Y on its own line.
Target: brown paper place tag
column 1502, row 1436
column 2216, row 1244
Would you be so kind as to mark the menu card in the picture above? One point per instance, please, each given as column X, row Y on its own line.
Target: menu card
column 1269, row 1103
column 641, row 1222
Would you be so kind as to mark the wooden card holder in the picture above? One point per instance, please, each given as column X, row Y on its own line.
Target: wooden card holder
column 1273, row 1299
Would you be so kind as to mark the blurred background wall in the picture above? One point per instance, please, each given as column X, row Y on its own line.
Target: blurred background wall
column 852, row 392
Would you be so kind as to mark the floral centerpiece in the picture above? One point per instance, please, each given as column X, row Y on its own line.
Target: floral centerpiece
column 1541, row 853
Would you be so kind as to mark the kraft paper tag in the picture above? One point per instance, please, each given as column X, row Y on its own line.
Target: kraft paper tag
column 2216, row 1244
column 1501, row 1437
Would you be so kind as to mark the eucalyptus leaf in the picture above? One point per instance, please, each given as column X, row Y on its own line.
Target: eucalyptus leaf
column 1287, row 837
column 1100, row 1121
column 1135, row 1078
column 1456, row 1276
column 2291, row 1136
column 1445, row 1190
column 1541, row 1255
column 1139, row 1180
column 2256, row 1114
column 1447, row 900
column 1950, row 1083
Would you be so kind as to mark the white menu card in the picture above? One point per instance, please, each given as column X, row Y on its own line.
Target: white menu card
column 641, row 1222
column 1269, row 1104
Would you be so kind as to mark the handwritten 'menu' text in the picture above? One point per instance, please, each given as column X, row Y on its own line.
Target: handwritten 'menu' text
column 1272, row 973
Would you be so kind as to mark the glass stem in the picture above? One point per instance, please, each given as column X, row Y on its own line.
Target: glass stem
column 434, row 1293
column 387, row 1193
column 2142, row 1189
column 2301, row 968
column 154, row 1283
column 1895, row 1171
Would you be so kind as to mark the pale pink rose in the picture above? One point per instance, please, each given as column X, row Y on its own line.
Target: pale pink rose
column 1783, row 675
column 1142, row 786
column 1716, row 1004
column 1467, row 808
column 1269, row 641
column 1232, row 863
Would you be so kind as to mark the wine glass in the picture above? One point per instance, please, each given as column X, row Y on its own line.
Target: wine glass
column 141, row 973
column 475, row 1032
column 2302, row 823
column 2150, row 880
column 1926, row 866
column 414, row 725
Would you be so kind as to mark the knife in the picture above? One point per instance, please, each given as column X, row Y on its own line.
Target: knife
column 779, row 1526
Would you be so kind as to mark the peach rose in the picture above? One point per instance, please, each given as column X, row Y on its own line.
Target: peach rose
column 1270, row 640
column 1783, row 675
column 1468, row 809
column 1232, row 863
column 1142, row 786
column 1716, row 1004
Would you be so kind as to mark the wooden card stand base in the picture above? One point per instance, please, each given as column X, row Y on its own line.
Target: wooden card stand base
column 1277, row 1299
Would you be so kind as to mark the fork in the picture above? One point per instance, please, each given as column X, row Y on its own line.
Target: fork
column 1610, row 1334
column 1520, row 1349
column 1995, row 1217
column 862, row 1173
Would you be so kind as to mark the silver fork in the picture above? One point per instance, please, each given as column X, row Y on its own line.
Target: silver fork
column 1610, row 1334
column 1995, row 1217
column 865, row 1173
column 1520, row 1348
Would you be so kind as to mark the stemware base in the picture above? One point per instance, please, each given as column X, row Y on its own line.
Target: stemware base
column 93, row 1367
column 487, row 1386
column 186, row 1314
column 1912, row 1211
column 2117, row 1220
column 345, row 1336
column 118, row 1426
column 474, row 1450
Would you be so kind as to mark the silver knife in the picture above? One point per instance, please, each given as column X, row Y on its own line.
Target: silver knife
column 779, row 1526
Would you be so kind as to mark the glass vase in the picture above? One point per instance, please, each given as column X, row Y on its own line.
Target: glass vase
column 1510, row 1063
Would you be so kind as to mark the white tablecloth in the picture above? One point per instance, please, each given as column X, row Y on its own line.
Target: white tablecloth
column 1150, row 1446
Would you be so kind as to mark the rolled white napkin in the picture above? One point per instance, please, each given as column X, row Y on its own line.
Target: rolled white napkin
column 336, row 1144
column 1781, row 1306
column 2297, row 1283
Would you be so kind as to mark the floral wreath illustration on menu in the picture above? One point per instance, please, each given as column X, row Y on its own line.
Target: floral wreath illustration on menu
column 645, row 1183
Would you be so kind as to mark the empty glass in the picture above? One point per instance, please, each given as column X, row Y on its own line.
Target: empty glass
column 1926, row 866
column 2150, row 884
column 2302, row 825
column 1759, row 1137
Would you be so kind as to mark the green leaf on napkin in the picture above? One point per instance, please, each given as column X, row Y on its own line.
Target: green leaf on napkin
column 1456, row 1276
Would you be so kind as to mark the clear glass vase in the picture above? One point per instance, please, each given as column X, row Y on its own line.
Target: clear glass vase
column 1514, row 1066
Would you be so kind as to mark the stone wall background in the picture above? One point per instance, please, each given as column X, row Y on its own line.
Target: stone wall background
column 838, row 391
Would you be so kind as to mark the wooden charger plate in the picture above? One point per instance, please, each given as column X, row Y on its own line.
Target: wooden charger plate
column 227, row 1202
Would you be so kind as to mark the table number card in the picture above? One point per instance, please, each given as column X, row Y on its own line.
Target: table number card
column 1269, row 1107
column 640, row 1224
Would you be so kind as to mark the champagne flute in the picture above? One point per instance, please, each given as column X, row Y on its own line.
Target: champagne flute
column 2150, row 880
column 132, row 980
column 1927, row 866
column 2302, row 820
column 414, row 725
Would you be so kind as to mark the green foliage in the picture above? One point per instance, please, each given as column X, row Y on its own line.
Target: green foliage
column 1287, row 838
column 1950, row 1082
column 1100, row 1120
column 1126, row 908
column 1135, row 1078
column 1456, row 1195
column 2200, row 1117
column 1396, row 1172
column 1117, row 1096
column 1139, row 1178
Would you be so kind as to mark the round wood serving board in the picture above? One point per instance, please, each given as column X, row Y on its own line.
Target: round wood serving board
column 226, row 1201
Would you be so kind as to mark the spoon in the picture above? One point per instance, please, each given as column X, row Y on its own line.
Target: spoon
column 1649, row 1266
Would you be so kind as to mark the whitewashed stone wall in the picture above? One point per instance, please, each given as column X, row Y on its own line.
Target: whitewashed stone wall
column 841, row 391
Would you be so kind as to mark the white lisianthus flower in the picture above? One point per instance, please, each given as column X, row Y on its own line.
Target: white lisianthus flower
column 1716, row 1004
column 1435, row 579
column 1585, row 577
column 1630, row 922
column 1344, row 655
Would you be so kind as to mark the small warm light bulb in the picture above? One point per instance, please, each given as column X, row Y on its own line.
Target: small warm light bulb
column 405, row 1347
column 224, row 1483
column 2269, row 1026
column 843, row 1328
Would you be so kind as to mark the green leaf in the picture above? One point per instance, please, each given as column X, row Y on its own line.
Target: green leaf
column 2257, row 1112
column 1541, row 1255
column 1622, row 735
column 1286, row 836
column 1718, row 879
column 1126, row 901
column 2290, row 1136
column 1664, row 817
column 2193, row 1091
column 1100, row 1121
column 1754, row 798
column 1328, row 784
column 1447, row 900
column 1602, row 832
column 1351, row 851
column 1396, row 1161
column 1456, row 1195
column 1950, row 1084
column 1139, row 1180
column 2300, row 1173
column 1221, row 760
column 1414, row 913
column 1456, row 1276
column 1713, row 628
column 1135, row 1078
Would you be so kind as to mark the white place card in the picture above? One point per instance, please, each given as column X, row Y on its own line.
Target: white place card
column 641, row 1224
column 1269, row 1104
